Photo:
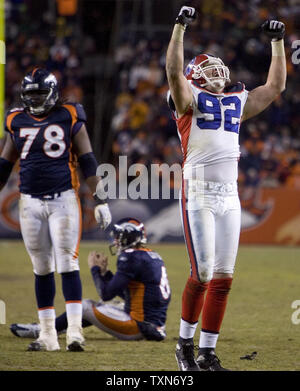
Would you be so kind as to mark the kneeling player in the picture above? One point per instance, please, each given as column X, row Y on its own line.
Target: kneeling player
column 141, row 280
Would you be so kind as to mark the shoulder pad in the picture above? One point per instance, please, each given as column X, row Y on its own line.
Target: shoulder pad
column 10, row 115
column 80, row 112
column 125, row 255
column 123, row 258
column 154, row 255
column 238, row 87
column 77, row 110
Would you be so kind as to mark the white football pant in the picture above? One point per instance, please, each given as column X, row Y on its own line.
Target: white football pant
column 211, row 218
column 51, row 232
column 112, row 319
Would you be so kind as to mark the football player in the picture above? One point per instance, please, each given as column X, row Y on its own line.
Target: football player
column 208, row 113
column 50, row 138
column 141, row 280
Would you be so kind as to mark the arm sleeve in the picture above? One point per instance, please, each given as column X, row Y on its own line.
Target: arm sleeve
column 88, row 164
column 109, row 285
column 97, row 278
column 9, row 118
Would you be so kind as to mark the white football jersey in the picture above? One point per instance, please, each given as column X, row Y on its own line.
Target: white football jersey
column 209, row 132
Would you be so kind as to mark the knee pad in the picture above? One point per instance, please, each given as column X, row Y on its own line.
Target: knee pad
column 41, row 268
column 67, row 266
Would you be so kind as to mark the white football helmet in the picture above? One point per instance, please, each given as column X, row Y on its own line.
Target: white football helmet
column 208, row 70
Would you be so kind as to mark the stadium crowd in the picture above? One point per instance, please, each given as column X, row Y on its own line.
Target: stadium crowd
column 142, row 126
column 52, row 46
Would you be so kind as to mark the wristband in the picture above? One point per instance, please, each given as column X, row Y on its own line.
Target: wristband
column 180, row 20
column 88, row 164
column 278, row 48
column 98, row 200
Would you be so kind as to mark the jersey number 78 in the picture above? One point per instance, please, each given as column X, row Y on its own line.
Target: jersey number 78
column 53, row 136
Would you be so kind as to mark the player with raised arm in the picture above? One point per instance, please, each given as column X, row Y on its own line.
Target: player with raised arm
column 141, row 280
column 208, row 113
column 50, row 139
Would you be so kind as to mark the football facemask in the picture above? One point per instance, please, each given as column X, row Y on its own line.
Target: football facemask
column 209, row 71
column 39, row 91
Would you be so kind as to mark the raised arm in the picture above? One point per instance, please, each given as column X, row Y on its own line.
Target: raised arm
column 108, row 285
column 179, row 87
column 261, row 97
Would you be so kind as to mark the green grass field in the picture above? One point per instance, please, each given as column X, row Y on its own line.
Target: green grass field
column 258, row 316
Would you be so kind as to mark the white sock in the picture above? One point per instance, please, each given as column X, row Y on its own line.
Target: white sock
column 47, row 320
column 74, row 314
column 187, row 330
column 46, row 313
column 208, row 340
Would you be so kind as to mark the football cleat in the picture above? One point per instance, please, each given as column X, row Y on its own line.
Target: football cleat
column 185, row 356
column 76, row 346
column 29, row 330
column 36, row 346
column 46, row 343
column 75, row 341
column 209, row 362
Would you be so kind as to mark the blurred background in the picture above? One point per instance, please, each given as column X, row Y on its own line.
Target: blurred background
column 109, row 55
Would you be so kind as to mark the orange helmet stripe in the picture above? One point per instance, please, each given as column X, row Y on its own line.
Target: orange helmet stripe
column 34, row 70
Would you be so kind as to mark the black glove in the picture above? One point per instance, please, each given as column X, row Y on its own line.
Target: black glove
column 273, row 29
column 186, row 16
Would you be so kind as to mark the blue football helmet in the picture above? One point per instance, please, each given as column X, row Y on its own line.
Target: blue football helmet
column 39, row 91
column 127, row 233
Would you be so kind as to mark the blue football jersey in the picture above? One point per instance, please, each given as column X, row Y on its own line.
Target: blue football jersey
column 47, row 163
column 148, row 294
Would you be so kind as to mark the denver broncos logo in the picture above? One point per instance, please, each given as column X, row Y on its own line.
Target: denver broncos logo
column 254, row 211
column 289, row 232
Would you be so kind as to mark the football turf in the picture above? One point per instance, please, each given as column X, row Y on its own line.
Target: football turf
column 258, row 316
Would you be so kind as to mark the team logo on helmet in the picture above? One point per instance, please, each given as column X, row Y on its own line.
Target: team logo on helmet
column 127, row 233
column 188, row 70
